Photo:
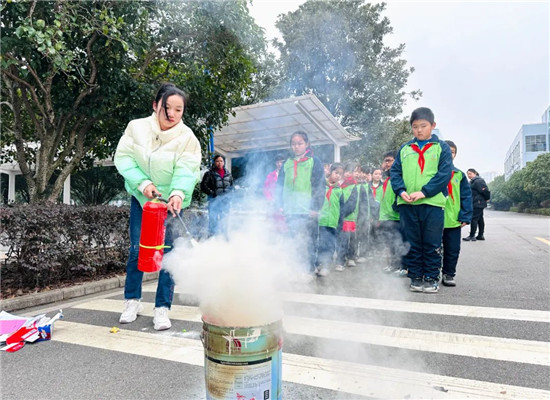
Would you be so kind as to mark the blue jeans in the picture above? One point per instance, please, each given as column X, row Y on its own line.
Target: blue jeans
column 134, row 277
column 422, row 227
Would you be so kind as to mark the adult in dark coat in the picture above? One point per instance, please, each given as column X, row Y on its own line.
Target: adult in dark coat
column 216, row 183
column 480, row 195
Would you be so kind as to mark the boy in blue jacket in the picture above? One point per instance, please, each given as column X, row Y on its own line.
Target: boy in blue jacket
column 419, row 177
column 458, row 213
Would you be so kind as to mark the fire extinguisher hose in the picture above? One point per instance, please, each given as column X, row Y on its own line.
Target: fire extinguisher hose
column 187, row 233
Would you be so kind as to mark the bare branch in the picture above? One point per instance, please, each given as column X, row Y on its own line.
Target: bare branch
column 32, row 114
column 32, row 90
column 31, row 10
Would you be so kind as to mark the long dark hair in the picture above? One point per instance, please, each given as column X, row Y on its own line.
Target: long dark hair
column 169, row 89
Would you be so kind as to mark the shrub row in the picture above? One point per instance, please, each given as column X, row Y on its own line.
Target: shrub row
column 538, row 211
column 52, row 244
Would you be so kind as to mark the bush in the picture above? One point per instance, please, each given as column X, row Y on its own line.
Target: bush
column 52, row 244
column 538, row 211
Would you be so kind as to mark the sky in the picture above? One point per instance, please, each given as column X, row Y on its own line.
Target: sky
column 483, row 67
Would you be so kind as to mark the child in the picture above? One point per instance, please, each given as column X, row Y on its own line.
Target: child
column 367, row 212
column 458, row 213
column 348, row 215
column 419, row 177
column 376, row 183
column 300, row 194
column 329, row 218
column 389, row 230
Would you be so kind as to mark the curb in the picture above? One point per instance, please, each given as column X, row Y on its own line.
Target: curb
column 71, row 292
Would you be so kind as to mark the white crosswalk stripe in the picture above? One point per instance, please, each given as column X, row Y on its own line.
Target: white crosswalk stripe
column 342, row 376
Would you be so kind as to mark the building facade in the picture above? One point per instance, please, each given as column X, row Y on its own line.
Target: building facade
column 531, row 141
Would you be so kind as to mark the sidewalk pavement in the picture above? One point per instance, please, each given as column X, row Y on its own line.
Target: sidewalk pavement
column 70, row 292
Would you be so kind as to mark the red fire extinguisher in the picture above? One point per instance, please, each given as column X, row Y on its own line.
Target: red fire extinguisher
column 151, row 241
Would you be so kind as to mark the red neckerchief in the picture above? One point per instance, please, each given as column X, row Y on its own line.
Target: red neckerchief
column 304, row 158
column 373, row 188
column 221, row 172
column 450, row 187
column 421, row 159
column 329, row 192
column 385, row 186
column 348, row 182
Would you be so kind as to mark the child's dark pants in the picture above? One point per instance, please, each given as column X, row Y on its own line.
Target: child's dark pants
column 327, row 245
column 422, row 227
column 451, row 250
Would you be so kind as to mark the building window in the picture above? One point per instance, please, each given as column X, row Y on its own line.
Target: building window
column 535, row 143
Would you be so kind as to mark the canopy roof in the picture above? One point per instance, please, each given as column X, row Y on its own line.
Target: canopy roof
column 268, row 126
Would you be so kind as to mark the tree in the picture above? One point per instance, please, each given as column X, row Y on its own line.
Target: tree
column 97, row 185
column 499, row 199
column 74, row 73
column 335, row 50
column 537, row 180
column 391, row 135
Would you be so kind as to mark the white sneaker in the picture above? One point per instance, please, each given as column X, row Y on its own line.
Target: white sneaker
column 161, row 320
column 361, row 260
column 351, row 263
column 323, row 272
column 339, row 268
column 132, row 307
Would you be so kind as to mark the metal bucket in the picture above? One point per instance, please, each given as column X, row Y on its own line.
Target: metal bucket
column 243, row 363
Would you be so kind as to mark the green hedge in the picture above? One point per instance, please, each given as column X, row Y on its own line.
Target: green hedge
column 537, row 211
column 52, row 244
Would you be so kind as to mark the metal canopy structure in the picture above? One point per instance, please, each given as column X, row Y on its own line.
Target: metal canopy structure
column 268, row 126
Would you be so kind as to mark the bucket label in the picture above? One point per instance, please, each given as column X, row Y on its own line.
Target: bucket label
column 243, row 380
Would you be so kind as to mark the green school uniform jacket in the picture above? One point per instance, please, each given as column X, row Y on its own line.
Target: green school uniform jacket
column 300, row 186
column 330, row 212
column 387, row 213
column 427, row 170
column 459, row 207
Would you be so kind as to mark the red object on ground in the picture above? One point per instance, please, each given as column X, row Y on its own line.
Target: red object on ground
column 151, row 241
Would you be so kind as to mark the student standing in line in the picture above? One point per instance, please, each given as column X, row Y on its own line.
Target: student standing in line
column 367, row 213
column 300, row 194
column 389, row 230
column 458, row 213
column 156, row 155
column 345, row 254
column 376, row 184
column 329, row 219
column 419, row 177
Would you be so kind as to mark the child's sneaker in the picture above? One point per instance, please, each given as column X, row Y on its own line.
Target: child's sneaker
column 430, row 286
column 402, row 273
column 339, row 268
column 416, row 285
column 323, row 271
column 448, row 280
column 351, row 263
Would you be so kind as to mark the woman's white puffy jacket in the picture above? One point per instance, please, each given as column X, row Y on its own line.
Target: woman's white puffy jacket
column 169, row 159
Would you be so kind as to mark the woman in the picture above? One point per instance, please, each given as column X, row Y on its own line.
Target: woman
column 216, row 183
column 480, row 195
column 156, row 155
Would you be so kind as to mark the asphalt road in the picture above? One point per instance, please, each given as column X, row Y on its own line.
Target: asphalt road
column 355, row 334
